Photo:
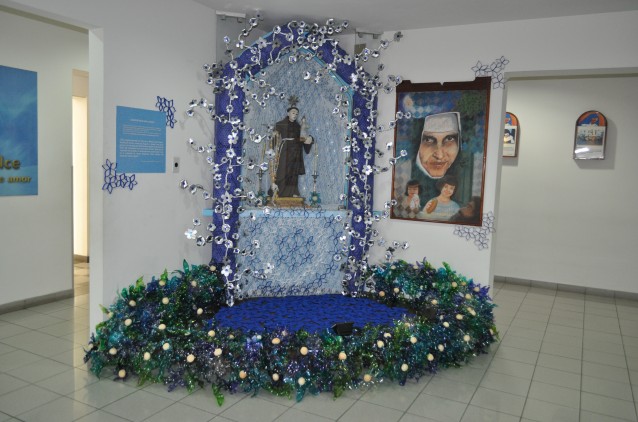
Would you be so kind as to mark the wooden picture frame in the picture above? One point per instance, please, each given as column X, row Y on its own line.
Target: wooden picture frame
column 440, row 144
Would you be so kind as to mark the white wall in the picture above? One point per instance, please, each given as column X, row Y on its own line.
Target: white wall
column 564, row 220
column 36, row 251
column 557, row 45
column 138, row 51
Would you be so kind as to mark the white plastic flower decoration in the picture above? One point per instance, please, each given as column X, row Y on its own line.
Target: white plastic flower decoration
column 226, row 271
column 226, row 197
column 191, row 234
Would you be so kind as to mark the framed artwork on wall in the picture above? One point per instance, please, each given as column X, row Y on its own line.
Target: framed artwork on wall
column 440, row 139
column 510, row 135
column 590, row 136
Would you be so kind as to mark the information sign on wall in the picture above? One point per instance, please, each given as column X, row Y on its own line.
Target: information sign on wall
column 141, row 141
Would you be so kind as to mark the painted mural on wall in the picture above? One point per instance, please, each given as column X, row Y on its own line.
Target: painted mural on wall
column 18, row 132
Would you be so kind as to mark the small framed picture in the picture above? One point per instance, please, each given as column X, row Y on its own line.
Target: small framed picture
column 591, row 133
column 510, row 135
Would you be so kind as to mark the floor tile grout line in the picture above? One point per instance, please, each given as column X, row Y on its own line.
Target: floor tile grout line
column 469, row 403
column 537, row 357
column 405, row 412
column 631, row 386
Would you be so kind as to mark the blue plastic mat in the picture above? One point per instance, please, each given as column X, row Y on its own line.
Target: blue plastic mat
column 310, row 313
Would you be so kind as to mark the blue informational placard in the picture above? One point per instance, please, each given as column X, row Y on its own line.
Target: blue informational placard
column 141, row 141
column 18, row 132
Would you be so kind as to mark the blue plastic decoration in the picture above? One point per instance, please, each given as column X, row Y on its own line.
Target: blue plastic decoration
column 315, row 199
column 113, row 179
column 493, row 70
column 165, row 105
column 240, row 86
column 480, row 235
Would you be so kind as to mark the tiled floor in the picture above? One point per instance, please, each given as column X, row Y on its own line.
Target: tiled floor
column 564, row 356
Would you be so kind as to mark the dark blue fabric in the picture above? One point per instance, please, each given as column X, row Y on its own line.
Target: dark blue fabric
column 310, row 313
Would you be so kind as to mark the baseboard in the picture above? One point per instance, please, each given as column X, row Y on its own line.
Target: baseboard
column 35, row 301
column 592, row 291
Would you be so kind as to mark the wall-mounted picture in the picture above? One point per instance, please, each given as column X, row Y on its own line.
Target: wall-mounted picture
column 591, row 133
column 440, row 144
column 510, row 135
column 18, row 132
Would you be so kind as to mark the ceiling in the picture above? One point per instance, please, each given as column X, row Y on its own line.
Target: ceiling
column 379, row 16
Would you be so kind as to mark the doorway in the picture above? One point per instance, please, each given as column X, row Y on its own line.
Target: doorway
column 80, row 182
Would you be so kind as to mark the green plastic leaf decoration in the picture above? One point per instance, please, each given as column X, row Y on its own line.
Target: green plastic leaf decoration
column 139, row 284
column 185, row 265
column 218, row 393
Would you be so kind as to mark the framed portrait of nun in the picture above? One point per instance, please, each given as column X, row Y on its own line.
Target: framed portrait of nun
column 440, row 143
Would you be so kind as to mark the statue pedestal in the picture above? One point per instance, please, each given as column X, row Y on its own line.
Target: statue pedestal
column 300, row 244
column 289, row 202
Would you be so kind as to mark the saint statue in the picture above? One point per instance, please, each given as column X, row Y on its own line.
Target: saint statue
column 291, row 140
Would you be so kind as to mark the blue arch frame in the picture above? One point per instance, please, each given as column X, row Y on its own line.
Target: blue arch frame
column 229, row 107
